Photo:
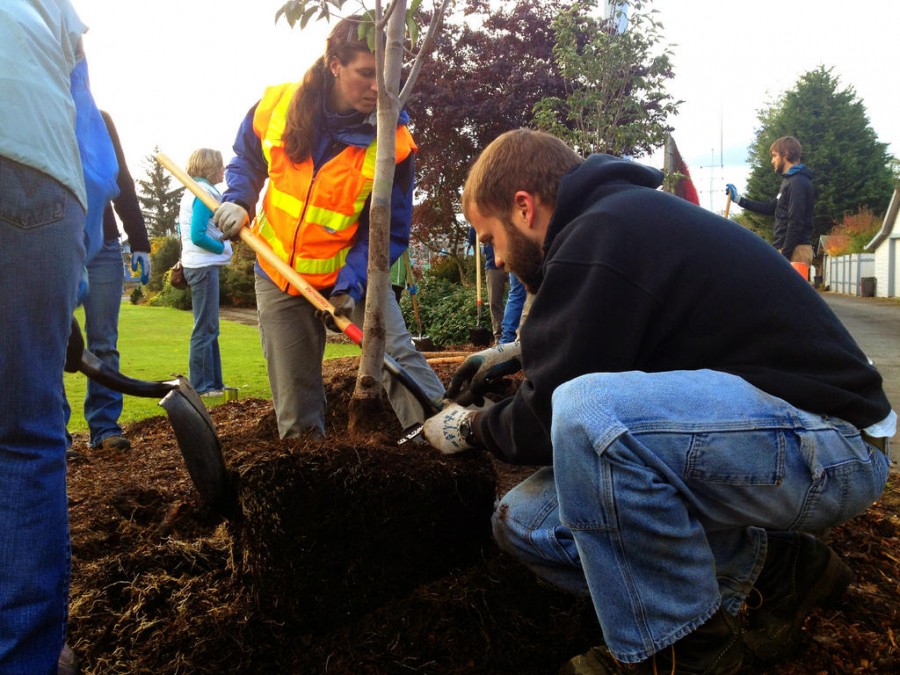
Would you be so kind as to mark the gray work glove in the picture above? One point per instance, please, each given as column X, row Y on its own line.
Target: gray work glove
column 484, row 366
column 230, row 218
column 732, row 192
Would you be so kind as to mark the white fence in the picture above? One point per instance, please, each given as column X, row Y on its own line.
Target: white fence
column 843, row 274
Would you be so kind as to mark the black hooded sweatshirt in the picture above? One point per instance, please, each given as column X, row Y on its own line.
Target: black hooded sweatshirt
column 636, row 279
column 793, row 208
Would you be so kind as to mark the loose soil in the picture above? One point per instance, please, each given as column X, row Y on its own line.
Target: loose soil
column 363, row 558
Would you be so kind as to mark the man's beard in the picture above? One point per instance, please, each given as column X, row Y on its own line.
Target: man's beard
column 523, row 257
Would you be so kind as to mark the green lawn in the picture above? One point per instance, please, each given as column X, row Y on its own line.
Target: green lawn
column 154, row 344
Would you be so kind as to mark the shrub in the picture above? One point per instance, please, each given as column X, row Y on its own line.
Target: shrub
column 170, row 296
column 853, row 233
column 447, row 309
column 164, row 252
column 236, row 280
column 136, row 295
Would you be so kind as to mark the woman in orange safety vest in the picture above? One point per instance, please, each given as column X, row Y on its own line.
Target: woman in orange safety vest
column 314, row 143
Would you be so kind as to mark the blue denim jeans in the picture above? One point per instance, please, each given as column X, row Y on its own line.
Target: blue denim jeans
column 41, row 257
column 662, row 488
column 205, row 362
column 106, row 281
column 512, row 314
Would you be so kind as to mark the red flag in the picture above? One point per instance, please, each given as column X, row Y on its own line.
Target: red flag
column 684, row 186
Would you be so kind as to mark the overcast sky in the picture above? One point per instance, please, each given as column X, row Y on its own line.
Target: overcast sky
column 181, row 74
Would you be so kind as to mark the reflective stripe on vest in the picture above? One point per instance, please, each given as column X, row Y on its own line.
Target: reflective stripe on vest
column 310, row 220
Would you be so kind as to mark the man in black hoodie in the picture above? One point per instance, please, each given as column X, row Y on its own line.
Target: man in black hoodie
column 691, row 429
column 792, row 206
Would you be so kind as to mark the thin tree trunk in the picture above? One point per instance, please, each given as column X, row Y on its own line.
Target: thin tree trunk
column 367, row 394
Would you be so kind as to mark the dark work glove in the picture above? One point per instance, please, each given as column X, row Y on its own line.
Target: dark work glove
column 343, row 304
column 485, row 366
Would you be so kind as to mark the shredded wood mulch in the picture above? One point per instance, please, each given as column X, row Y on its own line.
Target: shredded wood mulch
column 363, row 558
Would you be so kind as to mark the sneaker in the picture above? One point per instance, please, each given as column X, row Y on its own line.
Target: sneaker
column 212, row 393
column 117, row 443
column 68, row 662
column 799, row 574
column 715, row 648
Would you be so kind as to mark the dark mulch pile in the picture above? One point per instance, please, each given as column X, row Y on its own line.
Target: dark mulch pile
column 362, row 558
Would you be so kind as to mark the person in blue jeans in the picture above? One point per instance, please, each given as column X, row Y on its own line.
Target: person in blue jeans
column 43, row 203
column 512, row 312
column 694, row 437
column 203, row 252
column 106, row 281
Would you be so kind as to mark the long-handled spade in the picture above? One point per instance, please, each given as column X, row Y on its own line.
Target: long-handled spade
column 315, row 298
column 194, row 429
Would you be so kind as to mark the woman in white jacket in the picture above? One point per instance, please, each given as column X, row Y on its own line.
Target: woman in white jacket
column 203, row 251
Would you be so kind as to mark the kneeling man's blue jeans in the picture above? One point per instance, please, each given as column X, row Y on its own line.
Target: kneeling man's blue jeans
column 662, row 488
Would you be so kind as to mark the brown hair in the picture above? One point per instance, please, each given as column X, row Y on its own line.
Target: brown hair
column 204, row 163
column 788, row 147
column 343, row 43
column 522, row 159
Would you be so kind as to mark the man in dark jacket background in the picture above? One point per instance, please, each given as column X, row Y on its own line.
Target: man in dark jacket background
column 691, row 431
column 793, row 205
column 106, row 282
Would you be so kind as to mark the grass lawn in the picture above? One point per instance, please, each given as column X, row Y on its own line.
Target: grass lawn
column 154, row 344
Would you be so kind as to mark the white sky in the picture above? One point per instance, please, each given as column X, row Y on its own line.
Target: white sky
column 181, row 74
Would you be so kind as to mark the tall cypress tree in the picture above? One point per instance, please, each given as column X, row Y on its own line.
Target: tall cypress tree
column 159, row 201
column 851, row 168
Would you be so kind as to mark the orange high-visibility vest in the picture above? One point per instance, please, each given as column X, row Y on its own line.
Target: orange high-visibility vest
column 310, row 218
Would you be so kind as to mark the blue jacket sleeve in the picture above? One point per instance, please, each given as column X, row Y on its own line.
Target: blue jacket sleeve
column 248, row 170
column 354, row 274
column 200, row 215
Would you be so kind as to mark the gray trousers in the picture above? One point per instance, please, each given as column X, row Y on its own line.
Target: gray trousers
column 293, row 344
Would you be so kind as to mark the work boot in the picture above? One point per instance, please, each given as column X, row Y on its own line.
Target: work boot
column 115, row 443
column 715, row 648
column 800, row 573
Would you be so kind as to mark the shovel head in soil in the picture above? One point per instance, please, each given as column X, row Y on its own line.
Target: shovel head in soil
column 199, row 444
column 194, row 429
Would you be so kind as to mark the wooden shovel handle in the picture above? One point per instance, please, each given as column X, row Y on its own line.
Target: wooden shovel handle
column 315, row 298
column 727, row 204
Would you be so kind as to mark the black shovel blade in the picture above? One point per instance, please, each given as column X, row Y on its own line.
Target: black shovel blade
column 200, row 448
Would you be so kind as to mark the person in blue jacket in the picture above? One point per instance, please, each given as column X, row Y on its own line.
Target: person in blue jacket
column 43, row 204
column 312, row 144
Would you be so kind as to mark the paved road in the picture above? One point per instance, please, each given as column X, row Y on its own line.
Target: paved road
column 875, row 325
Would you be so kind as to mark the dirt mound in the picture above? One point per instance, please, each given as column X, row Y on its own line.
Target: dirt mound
column 362, row 559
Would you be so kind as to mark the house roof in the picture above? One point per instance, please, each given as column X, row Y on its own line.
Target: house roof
column 890, row 219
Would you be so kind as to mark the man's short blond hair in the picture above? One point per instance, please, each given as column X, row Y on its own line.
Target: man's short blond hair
column 522, row 159
column 204, row 163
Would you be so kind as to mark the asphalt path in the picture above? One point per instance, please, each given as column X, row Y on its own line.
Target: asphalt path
column 875, row 325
